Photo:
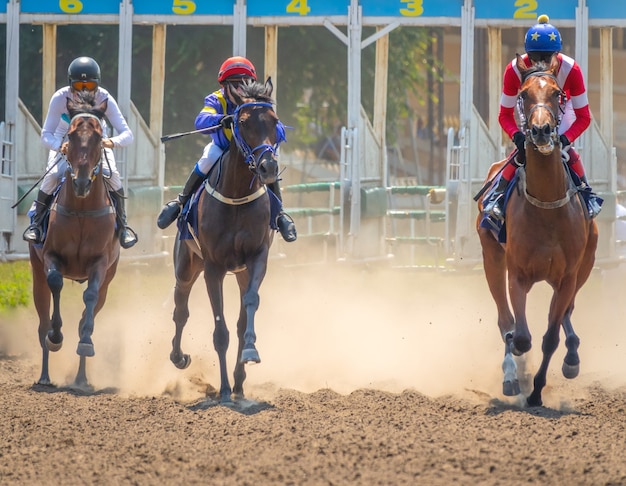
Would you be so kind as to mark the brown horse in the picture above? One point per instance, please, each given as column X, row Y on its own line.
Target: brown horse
column 234, row 232
column 549, row 236
column 80, row 243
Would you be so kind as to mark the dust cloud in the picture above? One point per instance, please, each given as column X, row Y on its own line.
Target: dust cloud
column 334, row 326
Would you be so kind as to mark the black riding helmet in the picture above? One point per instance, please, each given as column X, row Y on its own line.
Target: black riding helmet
column 84, row 69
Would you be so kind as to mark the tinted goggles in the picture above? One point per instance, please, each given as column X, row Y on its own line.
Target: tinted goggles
column 84, row 85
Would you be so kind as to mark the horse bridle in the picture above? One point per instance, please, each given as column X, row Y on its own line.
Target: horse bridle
column 556, row 117
column 97, row 167
column 252, row 156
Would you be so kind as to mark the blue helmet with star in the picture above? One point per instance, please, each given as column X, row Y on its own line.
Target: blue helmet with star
column 542, row 37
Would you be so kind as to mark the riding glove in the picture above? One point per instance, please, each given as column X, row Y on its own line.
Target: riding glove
column 227, row 121
column 519, row 139
column 564, row 141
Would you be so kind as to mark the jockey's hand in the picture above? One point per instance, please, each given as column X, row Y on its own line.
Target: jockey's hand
column 227, row 121
column 64, row 147
column 519, row 139
column 564, row 141
column 107, row 143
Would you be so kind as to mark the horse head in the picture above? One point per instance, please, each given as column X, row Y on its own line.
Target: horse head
column 539, row 103
column 256, row 129
column 84, row 150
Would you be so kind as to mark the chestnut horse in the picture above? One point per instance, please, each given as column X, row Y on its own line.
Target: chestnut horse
column 234, row 232
column 80, row 243
column 549, row 235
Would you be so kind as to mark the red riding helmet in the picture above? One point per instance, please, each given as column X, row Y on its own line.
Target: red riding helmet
column 236, row 67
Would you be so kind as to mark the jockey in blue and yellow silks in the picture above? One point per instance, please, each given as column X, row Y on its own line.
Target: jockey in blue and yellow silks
column 217, row 114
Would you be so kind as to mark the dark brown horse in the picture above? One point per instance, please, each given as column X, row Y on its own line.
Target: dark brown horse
column 234, row 232
column 549, row 236
column 80, row 243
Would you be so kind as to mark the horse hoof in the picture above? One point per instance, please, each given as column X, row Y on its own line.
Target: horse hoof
column 53, row 346
column 85, row 349
column 183, row 363
column 511, row 388
column 570, row 371
column 534, row 401
column 249, row 356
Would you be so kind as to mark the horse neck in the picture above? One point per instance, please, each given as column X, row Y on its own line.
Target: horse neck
column 545, row 175
column 236, row 179
column 96, row 199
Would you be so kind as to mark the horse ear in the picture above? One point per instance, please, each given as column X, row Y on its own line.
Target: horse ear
column 101, row 109
column 70, row 104
column 233, row 94
column 269, row 86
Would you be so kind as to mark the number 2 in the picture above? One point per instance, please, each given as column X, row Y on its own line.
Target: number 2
column 527, row 9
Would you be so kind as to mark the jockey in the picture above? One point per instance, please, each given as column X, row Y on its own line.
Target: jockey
column 541, row 42
column 218, row 112
column 84, row 75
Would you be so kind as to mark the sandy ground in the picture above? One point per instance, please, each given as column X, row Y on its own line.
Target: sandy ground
column 368, row 376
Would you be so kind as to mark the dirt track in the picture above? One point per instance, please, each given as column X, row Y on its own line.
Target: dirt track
column 367, row 377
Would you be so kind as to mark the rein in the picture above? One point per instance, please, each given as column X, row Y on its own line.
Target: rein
column 251, row 157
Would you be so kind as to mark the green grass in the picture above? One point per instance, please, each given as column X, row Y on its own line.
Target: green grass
column 15, row 284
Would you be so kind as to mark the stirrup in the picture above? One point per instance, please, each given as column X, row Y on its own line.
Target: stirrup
column 287, row 227
column 169, row 213
column 128, row 237
column 32, row 234
column 494, row 209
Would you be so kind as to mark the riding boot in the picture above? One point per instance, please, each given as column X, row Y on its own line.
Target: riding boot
column 594, row 203
column 127, row 235
column 285, row 223
column 34, row 232
column 172, row 209
column 494, row 206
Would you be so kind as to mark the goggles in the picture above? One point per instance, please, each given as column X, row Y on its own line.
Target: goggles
column 84, row 85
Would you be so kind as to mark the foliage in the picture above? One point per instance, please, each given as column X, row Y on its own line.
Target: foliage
column 311, row 89
column 15, row 284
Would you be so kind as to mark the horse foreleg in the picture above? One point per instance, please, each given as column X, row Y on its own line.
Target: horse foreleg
column 214, row 279
column 510, row 384
column 495, row 272
column 522, row 340
column 251, row 301
column 90, row 298
column 54, row 338
column 548, row 347
column 558, row 315
column 571, row 362
column 41, row 298
column 243, row 279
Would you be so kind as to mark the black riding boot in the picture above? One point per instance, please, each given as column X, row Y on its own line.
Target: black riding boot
column 285, row 223
column 127, row 235
column 594, row 203
column 172, row 209
column 493, row 207
column 34, row 231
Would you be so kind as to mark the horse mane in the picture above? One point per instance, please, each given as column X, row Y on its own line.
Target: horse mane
column 85, row 103
column 255, row 90
column 538, row 67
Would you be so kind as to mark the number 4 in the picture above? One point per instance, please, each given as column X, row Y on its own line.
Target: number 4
column 298, row 6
